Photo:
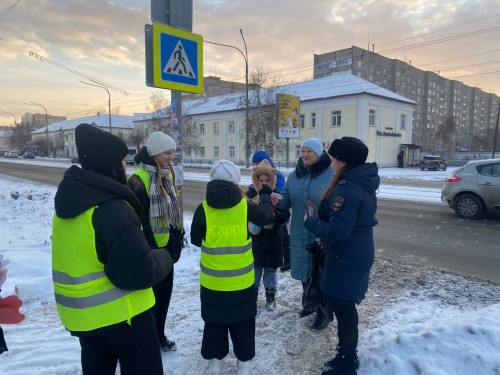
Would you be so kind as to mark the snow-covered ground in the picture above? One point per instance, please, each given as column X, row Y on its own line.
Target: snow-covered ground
column 414, row 320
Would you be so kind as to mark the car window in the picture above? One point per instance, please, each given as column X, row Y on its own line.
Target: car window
column 496, row 170
column 489, row 170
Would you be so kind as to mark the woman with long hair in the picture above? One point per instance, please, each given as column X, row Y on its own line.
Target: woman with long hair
column 344, row 223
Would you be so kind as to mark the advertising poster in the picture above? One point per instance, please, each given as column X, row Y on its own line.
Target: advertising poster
column 288, row 116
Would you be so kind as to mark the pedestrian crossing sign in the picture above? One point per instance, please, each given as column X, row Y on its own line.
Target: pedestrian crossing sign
column 177, row 59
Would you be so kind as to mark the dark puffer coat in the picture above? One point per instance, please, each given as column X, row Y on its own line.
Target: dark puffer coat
column 129, row 262
column 267, row 246
column 345, row 224
column 236, row 306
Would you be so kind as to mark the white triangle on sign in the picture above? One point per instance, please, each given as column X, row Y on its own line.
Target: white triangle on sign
column 178, row 63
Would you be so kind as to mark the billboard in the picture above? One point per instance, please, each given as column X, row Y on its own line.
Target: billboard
column 288, row 116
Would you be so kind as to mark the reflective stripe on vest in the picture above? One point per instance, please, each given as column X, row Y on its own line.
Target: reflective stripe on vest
column 160, row 238
column 85, row 298
column 226, row 261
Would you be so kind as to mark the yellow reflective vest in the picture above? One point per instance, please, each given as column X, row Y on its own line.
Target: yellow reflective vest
column 85, row 298
column 226, row 260
column 163, row 237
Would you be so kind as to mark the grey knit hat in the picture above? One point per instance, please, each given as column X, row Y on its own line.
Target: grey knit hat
column 159, row 142
column 225, row 170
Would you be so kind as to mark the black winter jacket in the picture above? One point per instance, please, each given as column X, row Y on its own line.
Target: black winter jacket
column 128, row 260
column 267, row 246
column 235, row 306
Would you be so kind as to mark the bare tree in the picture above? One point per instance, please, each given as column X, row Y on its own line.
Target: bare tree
column 137, row 137
column 262, row 112
column 190, row 137
column 161, row 113
column 21, row 134
column 446, row 134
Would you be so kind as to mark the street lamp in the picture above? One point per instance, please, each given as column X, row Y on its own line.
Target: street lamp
column 8, row 113
column 247, row 121
column 46, row 122
column 109, row 98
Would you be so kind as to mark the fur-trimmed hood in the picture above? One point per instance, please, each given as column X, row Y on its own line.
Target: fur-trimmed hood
column 264, row 167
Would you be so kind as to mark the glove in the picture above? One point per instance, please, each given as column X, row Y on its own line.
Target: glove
column 265, row 190
column 175, row 243
column 255, row 228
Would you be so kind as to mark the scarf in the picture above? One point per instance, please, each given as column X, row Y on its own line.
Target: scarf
column 164, row 209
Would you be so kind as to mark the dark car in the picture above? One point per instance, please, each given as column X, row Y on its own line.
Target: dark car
column 474, row 189
column 433, row 163
column 29, row 155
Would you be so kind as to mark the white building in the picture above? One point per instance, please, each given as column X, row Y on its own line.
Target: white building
column 61, row 134
column 330, row 108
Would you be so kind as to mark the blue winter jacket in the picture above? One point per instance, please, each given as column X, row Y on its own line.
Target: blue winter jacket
column 304, row 183
column 345, row 224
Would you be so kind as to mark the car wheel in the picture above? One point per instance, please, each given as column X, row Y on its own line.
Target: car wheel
column 444, row 169
column 469, row 206
column 422, row 169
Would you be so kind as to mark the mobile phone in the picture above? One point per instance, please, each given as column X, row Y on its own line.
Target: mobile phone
column 310, row 208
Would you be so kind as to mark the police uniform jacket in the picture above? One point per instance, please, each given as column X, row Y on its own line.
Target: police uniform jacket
column 345, row 224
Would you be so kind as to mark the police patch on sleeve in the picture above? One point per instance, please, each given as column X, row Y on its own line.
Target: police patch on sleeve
column 338, row 203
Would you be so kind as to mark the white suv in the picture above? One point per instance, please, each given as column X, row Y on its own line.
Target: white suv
column 474, row 189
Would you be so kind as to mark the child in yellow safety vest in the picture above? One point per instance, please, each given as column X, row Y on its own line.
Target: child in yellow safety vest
column 227, row 292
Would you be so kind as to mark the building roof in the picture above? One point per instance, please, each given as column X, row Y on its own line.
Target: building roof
column 320, row 88
column 102, row 121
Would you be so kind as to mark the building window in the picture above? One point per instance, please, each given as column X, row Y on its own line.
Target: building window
column 216, row 128
column 371, row 117
column 202, row 129
column 402, row 122
column 189, row 152
column 313, row 120
column 230, row 127
column 297, row 151
column 336, row 119
column 302, row 121
column 232, row 153
column 202, row 152
column 216, row 151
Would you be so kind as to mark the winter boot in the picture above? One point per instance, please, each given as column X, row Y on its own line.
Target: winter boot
column 214, row 366
column 328, row 365
column 342, row 365
column 244, row 368
column 320, row 322
column 270, row 298
column 166, row 345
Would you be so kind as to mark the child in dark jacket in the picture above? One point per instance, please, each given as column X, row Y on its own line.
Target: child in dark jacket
column 227, row 291
column 267, row 244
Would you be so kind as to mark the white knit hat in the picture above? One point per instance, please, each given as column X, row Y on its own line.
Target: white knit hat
column 225, row 170
column 159, row 142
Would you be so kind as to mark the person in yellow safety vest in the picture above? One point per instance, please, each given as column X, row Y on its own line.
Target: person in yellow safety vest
column 154, row 185
column 102, row 266
column 228, row 295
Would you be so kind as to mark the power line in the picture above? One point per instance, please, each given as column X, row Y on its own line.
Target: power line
column 5, row 13
column 437, row 31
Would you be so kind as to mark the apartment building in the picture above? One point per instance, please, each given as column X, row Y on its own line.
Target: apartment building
column 473, row 110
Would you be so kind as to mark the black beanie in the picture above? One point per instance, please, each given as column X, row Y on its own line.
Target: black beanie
column 349, row 150
column 101, row 152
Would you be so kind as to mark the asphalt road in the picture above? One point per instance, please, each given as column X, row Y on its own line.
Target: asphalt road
column 412, row 232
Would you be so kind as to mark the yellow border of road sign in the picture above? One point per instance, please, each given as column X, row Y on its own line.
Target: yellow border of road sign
column 158, row 29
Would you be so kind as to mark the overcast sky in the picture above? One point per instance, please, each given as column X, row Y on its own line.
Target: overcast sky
column 104, row 39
